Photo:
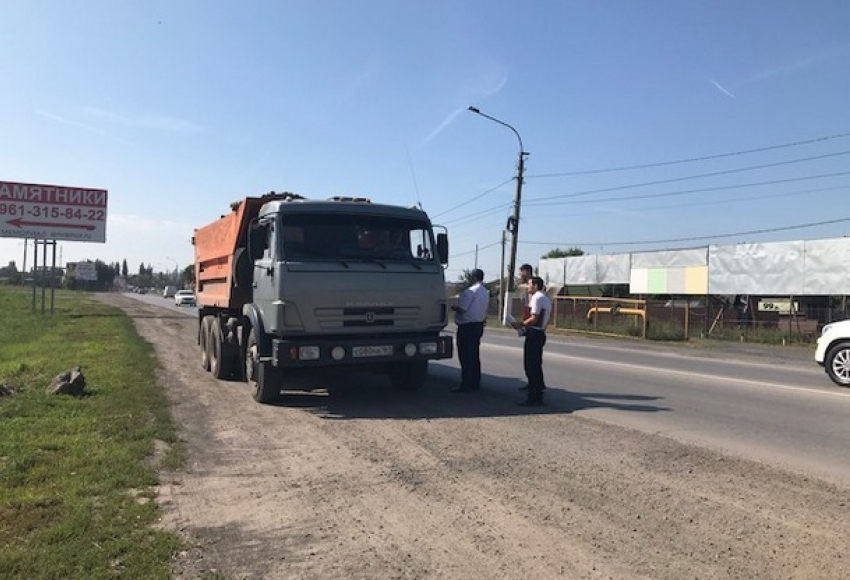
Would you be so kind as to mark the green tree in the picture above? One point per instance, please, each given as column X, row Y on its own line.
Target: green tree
column 559, row 253
column 10, row 273
column 187, row 276
column 124, row 270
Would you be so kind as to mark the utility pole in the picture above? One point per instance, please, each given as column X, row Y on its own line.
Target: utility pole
column 502, row 279
column 513, row 221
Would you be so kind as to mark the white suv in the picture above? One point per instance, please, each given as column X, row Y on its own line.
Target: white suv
column 184, row 298
column 833, row 352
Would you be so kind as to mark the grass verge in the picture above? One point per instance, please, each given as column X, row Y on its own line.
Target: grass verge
column 76, row 473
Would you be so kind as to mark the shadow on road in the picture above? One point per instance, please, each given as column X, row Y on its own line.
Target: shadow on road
column 370, row 396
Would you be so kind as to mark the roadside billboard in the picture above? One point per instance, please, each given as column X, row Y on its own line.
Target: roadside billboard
column 52, row 212
column 81, row 271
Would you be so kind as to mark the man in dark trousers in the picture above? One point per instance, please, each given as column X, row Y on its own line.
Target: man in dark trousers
column 470, row 314
column 534, row 329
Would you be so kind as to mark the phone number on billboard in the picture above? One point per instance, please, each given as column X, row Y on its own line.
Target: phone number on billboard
column 53, row 212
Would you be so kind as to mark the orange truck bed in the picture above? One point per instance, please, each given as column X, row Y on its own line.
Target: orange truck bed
column 216, row 247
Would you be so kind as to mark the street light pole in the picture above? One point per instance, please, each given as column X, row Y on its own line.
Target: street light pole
column 513, row 221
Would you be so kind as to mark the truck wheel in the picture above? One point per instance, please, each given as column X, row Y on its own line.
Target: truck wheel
column 204, row 340
column 837, row 364
column 217, row 364
column 263, row 391
column 408, row 376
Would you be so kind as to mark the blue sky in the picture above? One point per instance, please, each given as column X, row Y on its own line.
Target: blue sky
column 179, row 108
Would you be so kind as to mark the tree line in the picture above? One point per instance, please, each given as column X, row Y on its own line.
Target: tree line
column 109, row 277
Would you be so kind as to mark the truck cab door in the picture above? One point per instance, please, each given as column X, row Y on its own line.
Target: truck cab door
column 264, row 251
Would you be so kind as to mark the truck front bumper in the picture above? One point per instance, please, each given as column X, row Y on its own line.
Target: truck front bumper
column 348, row 351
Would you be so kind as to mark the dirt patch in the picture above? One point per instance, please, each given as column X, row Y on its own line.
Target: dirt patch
column 358, row 481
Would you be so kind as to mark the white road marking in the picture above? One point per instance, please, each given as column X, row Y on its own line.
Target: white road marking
column 688, row 374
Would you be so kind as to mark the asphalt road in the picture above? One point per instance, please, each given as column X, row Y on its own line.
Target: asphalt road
column 769, row 404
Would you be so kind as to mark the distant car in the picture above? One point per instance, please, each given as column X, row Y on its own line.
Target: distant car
column 184, row 298
column 833, row 352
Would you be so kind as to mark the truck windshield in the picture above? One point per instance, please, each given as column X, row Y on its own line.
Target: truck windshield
column 319, row 237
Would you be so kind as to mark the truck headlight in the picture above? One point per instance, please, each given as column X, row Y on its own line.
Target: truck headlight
column 410, row 349
column 337, row 353
column 308, row 352
column 428, row 348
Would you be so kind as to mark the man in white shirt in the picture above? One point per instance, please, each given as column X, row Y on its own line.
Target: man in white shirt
column 470, row 314
column 534, row 328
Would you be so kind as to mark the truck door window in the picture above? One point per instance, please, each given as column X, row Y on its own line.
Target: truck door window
column 268, row 251
column 421, row 240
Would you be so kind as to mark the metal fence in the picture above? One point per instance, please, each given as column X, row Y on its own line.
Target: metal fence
column 686, row 318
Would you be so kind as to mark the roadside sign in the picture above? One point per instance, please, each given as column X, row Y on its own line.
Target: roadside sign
column 81, row 271
column 52, row 212
column 780, row 305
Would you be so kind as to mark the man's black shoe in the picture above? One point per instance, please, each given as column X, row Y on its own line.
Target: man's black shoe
column 461, row 390
column 525, row 388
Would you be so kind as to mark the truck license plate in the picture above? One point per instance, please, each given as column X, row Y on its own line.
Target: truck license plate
column 364, row 351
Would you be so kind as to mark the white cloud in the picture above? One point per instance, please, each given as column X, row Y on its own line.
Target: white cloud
column 797, row 65
column 486, row 88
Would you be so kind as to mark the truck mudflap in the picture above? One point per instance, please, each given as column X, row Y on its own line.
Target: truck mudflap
column 348, row 351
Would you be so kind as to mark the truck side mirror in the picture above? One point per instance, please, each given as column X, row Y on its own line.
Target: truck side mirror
column 443, row 248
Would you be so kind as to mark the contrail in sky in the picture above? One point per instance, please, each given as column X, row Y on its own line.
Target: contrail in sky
column 721, row 89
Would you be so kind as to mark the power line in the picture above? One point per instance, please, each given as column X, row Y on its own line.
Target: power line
column 698, row 238
column 479, row 196
column 689, row 177
column 692, row 159
column 481, row 214
column 476, row 250
column 659, row 164
column 535, row 201
column 541, row 202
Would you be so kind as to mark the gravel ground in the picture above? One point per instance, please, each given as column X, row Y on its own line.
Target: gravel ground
column 360, row 482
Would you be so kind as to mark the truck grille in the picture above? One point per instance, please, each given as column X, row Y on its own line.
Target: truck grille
column 366, row 317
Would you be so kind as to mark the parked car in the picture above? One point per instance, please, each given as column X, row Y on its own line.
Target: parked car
column 833, row 352
column 184, row 298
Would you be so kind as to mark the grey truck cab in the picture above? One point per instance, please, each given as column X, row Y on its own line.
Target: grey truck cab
column 337, row 283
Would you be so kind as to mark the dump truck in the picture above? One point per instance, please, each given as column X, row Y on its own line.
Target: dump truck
column 288, row 287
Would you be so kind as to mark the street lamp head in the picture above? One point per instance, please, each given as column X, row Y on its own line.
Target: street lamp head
column 473, row 109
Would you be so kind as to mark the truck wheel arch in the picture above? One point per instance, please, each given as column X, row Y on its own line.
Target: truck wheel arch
column 255, row 319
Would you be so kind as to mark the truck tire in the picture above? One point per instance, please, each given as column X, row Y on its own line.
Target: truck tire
column 218, row 367
column 204, row 341
column 262, row 390
column 408, row 376
column 837, row 364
